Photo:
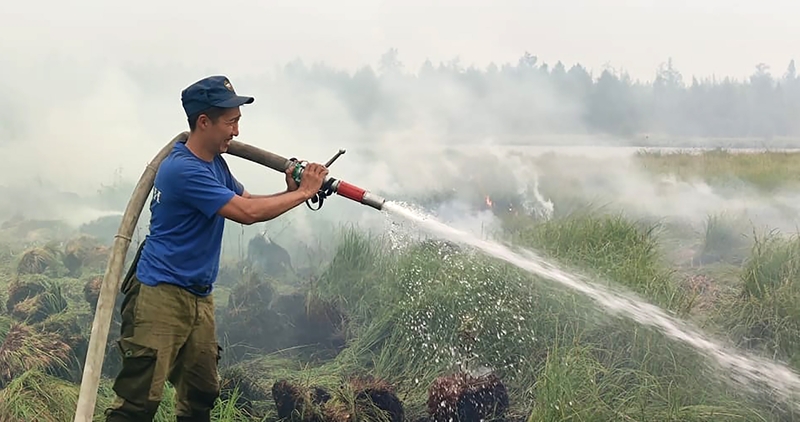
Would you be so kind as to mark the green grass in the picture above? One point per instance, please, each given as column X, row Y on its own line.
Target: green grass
column 765, row 315
column 429, row 308
column 766, row 171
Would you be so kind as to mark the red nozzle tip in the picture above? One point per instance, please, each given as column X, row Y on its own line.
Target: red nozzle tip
column 358, row 194
column 351, row 191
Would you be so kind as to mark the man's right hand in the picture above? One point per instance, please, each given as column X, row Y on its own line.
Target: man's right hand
column 312, row 178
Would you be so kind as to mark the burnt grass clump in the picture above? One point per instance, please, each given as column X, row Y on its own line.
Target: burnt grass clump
column 312, row 322
column 381, row 395
column 358, row 399
column 84, row 252
column 23, row 288
column 259, row 320
column 32, row 298
column 91, row 291
column 267, row 257
column 38, row 260
column 248, row 392
column 25, row 348
column 463, row 397
column 295, row 403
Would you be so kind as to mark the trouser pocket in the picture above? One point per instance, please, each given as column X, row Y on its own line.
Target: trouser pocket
column 135, row 381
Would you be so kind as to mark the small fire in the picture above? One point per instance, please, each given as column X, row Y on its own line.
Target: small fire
column 488, row 201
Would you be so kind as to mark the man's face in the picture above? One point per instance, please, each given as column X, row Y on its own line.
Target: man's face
column 220, row 133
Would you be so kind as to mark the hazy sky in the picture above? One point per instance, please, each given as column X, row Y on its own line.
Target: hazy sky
column 704, row 37
column 68, row 95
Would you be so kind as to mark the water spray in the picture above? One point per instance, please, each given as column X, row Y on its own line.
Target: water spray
column 98, row 339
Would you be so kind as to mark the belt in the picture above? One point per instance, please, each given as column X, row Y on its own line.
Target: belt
column 199, row 288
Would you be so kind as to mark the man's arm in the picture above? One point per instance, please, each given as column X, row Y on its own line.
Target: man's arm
column 249, row 210
column 256, row 209
column 197, row 187
column 248, row 195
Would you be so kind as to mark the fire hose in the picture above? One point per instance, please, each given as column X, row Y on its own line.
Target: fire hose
column 98, row 339
column 329, row 186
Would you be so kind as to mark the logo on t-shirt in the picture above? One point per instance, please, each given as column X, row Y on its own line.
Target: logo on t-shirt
column 156, row 196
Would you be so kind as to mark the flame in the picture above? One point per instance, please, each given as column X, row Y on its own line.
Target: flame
column 489, row 202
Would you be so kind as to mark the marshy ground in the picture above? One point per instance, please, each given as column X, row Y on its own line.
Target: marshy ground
column 428, row 330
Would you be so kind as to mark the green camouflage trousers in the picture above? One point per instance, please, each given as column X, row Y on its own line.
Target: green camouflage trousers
column 169, row 334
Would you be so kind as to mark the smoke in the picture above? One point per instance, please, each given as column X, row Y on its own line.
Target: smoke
column 87, row 99
column 619, row 182
column 97, row 132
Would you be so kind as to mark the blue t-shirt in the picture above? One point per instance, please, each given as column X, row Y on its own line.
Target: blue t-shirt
column 185, row 239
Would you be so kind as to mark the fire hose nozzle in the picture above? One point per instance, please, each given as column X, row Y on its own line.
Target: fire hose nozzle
column 373, row 200
column 346, row 190
column 357, row 194
column 329, row 186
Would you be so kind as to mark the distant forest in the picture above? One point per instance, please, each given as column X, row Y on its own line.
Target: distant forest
column 530, row 98
column 527, row 101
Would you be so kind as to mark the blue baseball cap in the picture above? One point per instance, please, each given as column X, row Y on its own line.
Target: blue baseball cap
column 213, row 91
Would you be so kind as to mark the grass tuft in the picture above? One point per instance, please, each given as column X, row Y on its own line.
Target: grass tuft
column 36, row 396
column 765, row 316
column 25, row 348
column 724, row 240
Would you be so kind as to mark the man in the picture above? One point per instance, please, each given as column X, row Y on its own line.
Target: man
column 168, row 330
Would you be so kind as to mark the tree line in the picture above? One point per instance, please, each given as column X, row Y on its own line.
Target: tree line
column 531, row 97
column 526, row 101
